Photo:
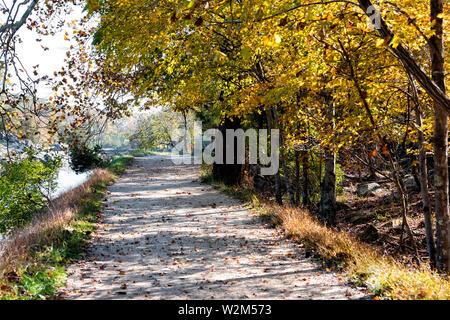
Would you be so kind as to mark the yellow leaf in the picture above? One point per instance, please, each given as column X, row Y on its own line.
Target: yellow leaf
column 277, row 38
column 395, row 42
column 267, row 42
column 380, row 43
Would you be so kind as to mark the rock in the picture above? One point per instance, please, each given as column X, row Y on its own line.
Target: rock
column 394, row 223
column 369, row 189
column 347, row 189
column 369, row 234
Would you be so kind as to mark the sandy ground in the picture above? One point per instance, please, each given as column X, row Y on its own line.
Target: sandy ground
column 164, row 235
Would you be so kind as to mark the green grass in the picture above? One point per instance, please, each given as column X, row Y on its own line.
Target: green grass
column 44, row 270
column 145, row 153
column 119, row 164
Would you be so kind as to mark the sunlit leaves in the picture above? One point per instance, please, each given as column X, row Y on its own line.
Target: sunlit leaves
column 244, row 57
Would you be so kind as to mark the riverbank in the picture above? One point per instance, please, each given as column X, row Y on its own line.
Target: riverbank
column 33, row 261
column 66, row 180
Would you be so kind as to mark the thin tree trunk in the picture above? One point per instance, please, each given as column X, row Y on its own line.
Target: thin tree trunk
column 297, row 178
column 405, row 224
column 283, row 159
column 327, row 206
column 185, row 131
column 423, row 175
column 305, row 179
column 278, row 195
column 396, row 177
column 440, row 139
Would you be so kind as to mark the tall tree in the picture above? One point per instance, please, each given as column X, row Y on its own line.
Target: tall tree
column 440, row 136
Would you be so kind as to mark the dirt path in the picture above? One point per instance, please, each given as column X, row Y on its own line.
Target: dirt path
column 164, row 235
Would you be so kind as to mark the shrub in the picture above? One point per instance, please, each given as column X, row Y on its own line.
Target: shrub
column 84, row 158
column 25, row 184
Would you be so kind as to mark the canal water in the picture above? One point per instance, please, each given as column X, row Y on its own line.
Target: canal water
column 68, row 180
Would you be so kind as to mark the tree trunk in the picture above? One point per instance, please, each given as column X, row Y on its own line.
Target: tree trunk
column 396, row 175
column 423, row 175
column 186, row 147
column 283, row 159
column 305, row 182
column 327, row 205
column 297, row 178
column 440, row 139
column 278, row 194
column 228, row 173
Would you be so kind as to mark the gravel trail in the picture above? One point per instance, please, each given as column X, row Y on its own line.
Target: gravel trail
column 164, row 235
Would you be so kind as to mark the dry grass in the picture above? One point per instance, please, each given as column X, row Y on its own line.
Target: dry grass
column 364, row 265
column 382, row 274
column 45, row 227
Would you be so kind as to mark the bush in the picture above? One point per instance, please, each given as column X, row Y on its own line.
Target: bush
column 25, row 184
column 84, row 158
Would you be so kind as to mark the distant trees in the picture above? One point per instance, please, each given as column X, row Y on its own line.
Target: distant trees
column 161, row 129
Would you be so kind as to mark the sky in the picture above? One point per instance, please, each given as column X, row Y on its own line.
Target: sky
column 31, row 53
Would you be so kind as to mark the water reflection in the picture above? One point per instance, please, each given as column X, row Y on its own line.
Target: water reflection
column 68, row 180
